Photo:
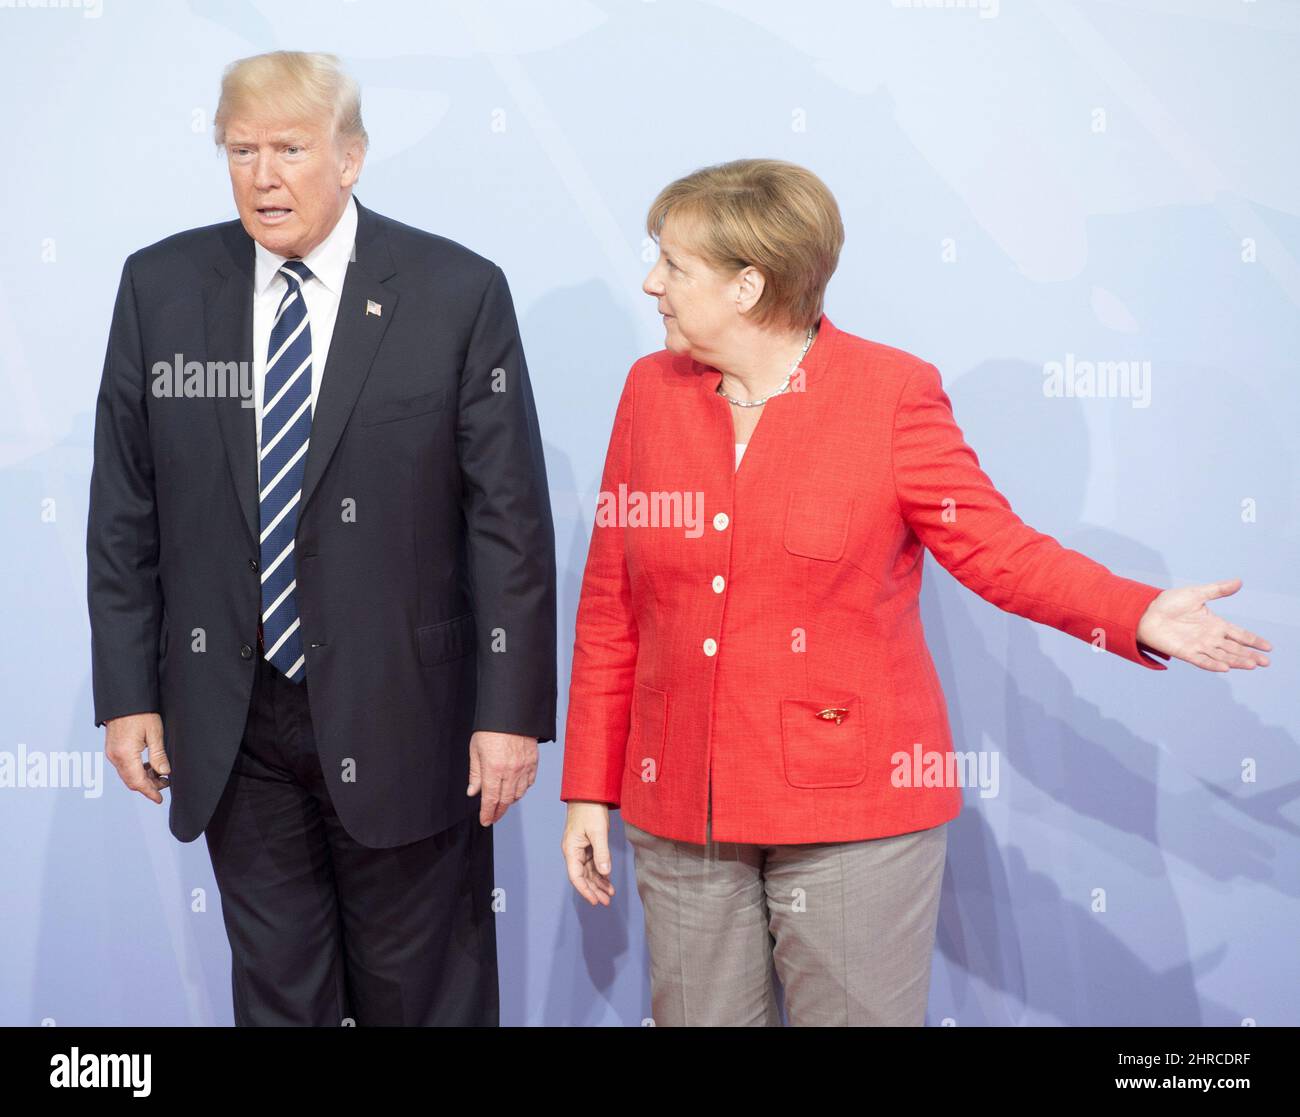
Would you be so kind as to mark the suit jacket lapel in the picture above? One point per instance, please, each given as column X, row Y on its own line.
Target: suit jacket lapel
column 228, row 320
column 357, row 334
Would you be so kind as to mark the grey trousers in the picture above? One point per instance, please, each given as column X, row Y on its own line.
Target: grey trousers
column 848, row 926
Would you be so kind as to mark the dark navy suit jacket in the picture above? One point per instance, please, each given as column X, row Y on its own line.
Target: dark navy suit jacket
column 424, row 548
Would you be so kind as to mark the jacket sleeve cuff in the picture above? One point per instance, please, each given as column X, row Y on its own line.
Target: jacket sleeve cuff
column 593, row 790
column 1134, row 600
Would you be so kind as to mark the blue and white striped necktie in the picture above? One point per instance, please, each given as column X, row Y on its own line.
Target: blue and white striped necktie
column 286, row 425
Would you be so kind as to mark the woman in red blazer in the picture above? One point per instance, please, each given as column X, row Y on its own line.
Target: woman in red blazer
column 750, row 677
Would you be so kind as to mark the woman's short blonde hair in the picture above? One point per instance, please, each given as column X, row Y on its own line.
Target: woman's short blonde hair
column 775, row 216
column 294, row 84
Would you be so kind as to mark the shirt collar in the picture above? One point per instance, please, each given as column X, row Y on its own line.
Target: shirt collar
column 328, row 260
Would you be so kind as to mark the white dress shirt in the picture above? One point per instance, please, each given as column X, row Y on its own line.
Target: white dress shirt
column 328, row 262
column 740, row 452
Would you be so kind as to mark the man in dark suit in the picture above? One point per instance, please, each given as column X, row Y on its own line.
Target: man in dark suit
column 321, row 569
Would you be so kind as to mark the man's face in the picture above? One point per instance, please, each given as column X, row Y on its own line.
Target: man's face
column 291, row 180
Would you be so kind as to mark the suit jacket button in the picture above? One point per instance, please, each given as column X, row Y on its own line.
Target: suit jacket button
column 252, row 565
column 245, row 652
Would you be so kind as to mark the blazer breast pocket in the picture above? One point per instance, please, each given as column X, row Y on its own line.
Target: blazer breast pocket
column 447, row 640
column 823, row 744
column 391, row 410
column 817, row 527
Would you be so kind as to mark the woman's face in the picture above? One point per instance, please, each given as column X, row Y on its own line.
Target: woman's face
column 698, row 302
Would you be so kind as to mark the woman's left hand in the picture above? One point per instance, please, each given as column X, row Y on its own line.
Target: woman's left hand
column 1177, row 623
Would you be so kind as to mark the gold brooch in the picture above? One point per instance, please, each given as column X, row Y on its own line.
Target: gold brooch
column 835, row 713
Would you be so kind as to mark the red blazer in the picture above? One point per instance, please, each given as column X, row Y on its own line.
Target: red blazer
column 773, row 647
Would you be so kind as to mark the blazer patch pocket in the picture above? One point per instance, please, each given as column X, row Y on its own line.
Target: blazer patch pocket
column 388, row 411
column 645, row 746
column 823, row 744
column 451, row 639
column 817, row 527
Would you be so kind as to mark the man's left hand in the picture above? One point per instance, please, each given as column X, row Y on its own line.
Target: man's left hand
column 503, row 766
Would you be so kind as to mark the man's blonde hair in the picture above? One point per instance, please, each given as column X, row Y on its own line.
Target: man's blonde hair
column 766, row 213
column 294, row 84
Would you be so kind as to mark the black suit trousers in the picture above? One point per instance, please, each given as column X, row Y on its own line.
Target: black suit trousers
column 323, row 930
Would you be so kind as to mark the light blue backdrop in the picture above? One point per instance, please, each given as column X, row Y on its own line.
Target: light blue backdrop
column 1021, row 184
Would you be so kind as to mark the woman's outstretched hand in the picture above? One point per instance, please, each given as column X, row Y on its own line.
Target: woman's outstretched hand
column 1177, row 623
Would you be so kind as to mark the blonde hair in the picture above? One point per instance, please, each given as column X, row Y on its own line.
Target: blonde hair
column 298, row 85
column 766, row 213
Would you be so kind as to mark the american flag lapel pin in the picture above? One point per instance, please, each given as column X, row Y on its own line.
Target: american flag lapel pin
column 374, row 308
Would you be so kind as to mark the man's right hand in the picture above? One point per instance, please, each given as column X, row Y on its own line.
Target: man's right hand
column 125, row 741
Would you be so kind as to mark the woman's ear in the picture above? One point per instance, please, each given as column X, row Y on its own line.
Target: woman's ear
column 749, row 289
